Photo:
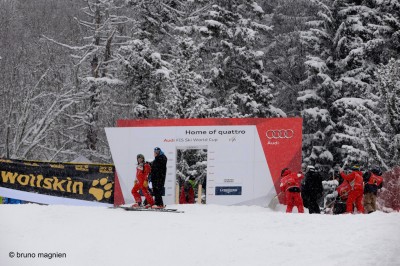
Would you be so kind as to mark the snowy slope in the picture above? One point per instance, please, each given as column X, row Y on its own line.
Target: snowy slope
column 203, row 235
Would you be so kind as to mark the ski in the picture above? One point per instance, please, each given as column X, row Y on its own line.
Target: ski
column 148, row 210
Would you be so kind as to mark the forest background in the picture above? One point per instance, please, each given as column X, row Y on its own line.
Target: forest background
column 69, row 68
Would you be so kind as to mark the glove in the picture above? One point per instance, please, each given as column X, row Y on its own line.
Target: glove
column 135, row 182
column 145, row 184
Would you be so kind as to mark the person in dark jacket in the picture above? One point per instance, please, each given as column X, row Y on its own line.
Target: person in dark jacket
column 372, row 182
column 158, row 174
column 312, row 189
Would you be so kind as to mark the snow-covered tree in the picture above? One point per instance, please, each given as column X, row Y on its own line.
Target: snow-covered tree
column 362, row 130
column 152, row 62
column 338, row 98
column 35, row 77
column 186, row 59
column 285, row 54
column 187, row 95
column 30, row 127
column 389, row 99
column 231, row 32
column 156, row 19
column 191, row 162
column 320, row 90
column 146, row 76
column 95, row 73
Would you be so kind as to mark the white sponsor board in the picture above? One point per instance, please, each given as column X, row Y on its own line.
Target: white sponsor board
column 237, row 168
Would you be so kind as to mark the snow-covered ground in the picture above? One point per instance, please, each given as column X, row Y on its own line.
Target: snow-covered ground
column 203, row 235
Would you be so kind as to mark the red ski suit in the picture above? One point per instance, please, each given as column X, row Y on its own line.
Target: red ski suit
column 290, row 183
column 356, row 182
column 142, row 173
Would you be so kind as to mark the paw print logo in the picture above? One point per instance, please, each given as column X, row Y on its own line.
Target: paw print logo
column 104, row 191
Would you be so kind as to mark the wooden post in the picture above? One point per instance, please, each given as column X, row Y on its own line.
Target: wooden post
column 177, row 194
column 199, row 191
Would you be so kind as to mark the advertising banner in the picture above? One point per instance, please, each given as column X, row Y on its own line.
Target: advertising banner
column 57, row 183
column 225, row 161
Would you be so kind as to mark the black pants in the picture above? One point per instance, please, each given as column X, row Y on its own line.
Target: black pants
column 157, row 192
column 313, row 206
column 311, row 202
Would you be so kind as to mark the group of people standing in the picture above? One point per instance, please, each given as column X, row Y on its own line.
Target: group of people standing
column 146, row 172
column 304, row 189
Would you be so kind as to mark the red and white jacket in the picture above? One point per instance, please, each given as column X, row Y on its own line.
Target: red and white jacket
column 290, row 180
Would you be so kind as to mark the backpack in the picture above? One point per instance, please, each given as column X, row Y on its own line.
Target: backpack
column 344, row 189
column 375, row 180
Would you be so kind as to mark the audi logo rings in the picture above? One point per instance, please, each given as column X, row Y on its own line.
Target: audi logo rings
column 280, row 134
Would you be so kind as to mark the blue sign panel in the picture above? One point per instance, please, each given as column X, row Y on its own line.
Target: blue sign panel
column 228, row 190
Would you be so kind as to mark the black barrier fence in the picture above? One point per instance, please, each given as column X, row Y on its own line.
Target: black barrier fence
column 90, row 182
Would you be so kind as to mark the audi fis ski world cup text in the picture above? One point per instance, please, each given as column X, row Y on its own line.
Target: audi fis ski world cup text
column 231, row 133
column 191, row 140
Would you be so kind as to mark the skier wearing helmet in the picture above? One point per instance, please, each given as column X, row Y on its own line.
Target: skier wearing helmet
column 141, row 183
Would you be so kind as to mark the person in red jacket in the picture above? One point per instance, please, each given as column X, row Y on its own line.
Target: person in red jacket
column 187, row 191
column 355, row 196
column 141, row 183
column 290, row 184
